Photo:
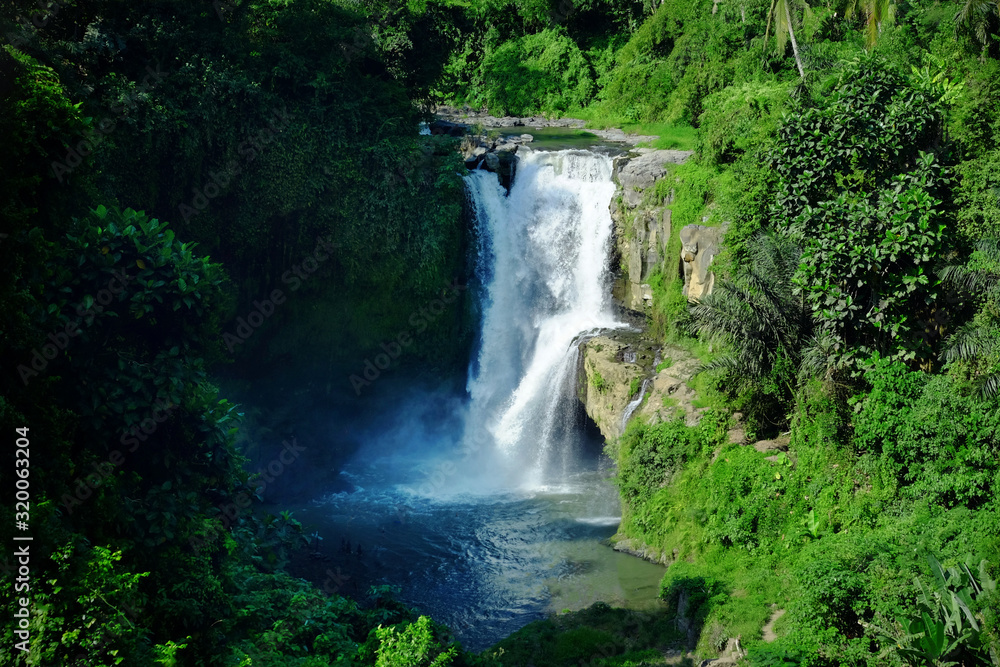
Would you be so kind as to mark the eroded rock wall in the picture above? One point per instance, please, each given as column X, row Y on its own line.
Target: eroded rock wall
column 643, row 229
column 646, row 242
column 699, row 246
column 611, row 369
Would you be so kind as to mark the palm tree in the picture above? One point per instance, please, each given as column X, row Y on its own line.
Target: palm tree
column 979, row 340
column 759, row 314
column 783, row 29
column 975, row 15
column 877, row 13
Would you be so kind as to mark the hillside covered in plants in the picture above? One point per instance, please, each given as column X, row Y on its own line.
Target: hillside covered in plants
column 197, row 195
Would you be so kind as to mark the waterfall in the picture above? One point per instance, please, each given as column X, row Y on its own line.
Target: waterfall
column 634, row 404
column 543, row 281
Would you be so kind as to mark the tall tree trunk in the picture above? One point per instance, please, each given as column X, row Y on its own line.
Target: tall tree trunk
column 795, row 46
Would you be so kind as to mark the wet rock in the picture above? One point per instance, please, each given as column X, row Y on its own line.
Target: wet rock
column 634, row 547
column 503, row 164
column 450, row 128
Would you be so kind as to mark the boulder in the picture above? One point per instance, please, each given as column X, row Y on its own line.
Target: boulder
column 644, row 254
column 638, row 173
column 699, row 246
column 779, row 444
column 504, row 164
column 448, row 127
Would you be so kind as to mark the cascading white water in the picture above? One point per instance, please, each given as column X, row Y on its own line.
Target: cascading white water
column 490, row 512
column 543, row 268
column 631, row 407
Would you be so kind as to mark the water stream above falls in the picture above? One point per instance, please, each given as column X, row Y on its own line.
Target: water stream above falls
column 488, row 508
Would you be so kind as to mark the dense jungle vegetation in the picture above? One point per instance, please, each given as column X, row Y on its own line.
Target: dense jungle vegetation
column 172, row 167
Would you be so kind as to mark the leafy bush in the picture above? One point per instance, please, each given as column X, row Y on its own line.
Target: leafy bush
column 942, row 439
column 541, row 73
column 648, row 454
column 412, row 645
column 868, row 205
column 737, row 119
column 978, row 196
column 943, row 626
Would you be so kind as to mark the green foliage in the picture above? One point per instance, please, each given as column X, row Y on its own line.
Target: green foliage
column 688, row 190
column 669, row 137
column 600, row 635
column 85, row 614
column 974, row 347
column 868, row 206
column 782, row 17
column 763, row 323
column 675, row 59
column 598, row 382
column 941, row 439
column 973, row 122
column 737, row 119
column 649, row 454
column 977, row 196
column 691, row 597
column 541, row 73
column 979, row 17
column 832, row 593
column 411, row 645
column 860, row 176
column 944, row 628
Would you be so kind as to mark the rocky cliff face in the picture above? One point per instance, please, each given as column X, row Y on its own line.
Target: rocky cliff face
column 613, row 368
column 617, row 365
column 644, row 232
column 699, row 246
column 621, row 367
column 642, row 229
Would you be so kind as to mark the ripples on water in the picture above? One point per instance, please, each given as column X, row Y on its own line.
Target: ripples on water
column 485, row 565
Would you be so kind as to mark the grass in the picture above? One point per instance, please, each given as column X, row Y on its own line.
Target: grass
column 673, row 137
column 633, row 387
column 666, row 363
column 598, row 381
column 708, row 386
column 669, row 136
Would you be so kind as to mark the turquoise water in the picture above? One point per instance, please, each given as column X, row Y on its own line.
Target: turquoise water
column 484, row 565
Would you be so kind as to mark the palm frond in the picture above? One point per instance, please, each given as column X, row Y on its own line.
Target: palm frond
column 970, row 342
column 974, row 14
column 983, row 276
column 757, row 314
column 989, row 387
